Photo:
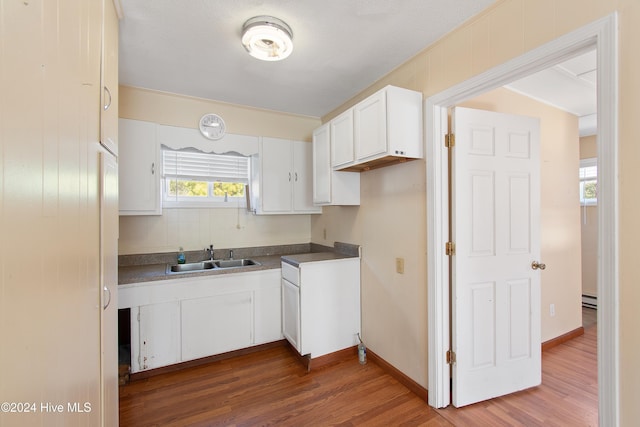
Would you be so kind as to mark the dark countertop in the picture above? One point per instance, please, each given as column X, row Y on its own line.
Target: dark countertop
column 133, row 269
column 297, row 259
column 153, row 272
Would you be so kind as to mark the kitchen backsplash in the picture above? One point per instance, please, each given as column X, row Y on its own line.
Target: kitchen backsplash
column 198, row 228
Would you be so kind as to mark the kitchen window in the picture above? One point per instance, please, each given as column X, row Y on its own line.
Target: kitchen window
column 195, row 179
column 589, row 182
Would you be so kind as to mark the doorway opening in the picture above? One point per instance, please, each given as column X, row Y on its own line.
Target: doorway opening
column 602, row 35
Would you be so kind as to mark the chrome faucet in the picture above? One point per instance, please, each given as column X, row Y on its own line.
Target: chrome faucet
column 210, row 250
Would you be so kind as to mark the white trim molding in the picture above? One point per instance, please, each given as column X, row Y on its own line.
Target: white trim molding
column 602, row 35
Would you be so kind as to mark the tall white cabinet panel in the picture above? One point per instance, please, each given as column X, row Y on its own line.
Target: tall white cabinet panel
column 331, row 187
column 109, row 80
column 216, row 324
column 284, row 182
column 139, row 166
column 157, row 336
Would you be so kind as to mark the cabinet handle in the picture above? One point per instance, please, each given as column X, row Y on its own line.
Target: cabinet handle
column 289, row 176
column 108, row 104
column 153, row 168
column 109, row 300
column 296, row 174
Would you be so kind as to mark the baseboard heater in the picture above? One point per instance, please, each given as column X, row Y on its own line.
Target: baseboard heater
column 589, row 301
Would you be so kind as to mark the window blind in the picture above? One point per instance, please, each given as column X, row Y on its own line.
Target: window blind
column 196, row 166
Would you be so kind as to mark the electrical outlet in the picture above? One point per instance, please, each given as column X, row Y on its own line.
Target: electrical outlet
column 400, row 265
column 552, row 310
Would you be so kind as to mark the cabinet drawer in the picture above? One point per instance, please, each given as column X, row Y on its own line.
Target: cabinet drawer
column 290, row 273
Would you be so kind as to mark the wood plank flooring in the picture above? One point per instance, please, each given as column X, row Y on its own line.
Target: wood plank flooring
column 272, row 388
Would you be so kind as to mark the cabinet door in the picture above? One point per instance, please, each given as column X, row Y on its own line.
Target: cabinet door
column 216, row 324
column 276, row 172
column 268, row 313
column 321, row 165
column 342, row 139
column 109, row 77
column 138, row 163
column 302, row 178
column 158, row 336
column 291, row 313
column 370, row 123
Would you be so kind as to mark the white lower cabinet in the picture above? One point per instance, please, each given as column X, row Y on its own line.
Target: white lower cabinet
column 216, row 324
column 321, row 305
column 291, row 313
column 188, row 318
column 157, row 334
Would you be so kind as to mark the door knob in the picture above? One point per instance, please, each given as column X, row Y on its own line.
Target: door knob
column 536, row 265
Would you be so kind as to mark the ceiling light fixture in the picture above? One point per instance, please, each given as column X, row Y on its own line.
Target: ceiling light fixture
column 267, row 38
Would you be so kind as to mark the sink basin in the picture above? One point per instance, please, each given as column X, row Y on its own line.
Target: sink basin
column 191, row 266
column 234, row 263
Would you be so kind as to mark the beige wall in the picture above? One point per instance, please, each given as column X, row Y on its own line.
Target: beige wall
column 589, row 227
column 196, row 229
column 559, row 206
column 504, row 31
column 185, row 111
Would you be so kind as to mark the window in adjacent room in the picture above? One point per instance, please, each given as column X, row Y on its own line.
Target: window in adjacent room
column 589, row 182
column 195, row 179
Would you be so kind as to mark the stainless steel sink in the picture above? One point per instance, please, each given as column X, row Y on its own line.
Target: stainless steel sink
column 234, row 263
column 193, row 267
column 190, row 267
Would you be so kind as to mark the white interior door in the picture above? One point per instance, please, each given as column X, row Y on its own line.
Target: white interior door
column 496, row 229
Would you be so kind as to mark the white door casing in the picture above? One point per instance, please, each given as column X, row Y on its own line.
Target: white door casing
column 496, row 229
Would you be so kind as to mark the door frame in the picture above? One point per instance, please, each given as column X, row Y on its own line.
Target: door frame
column 603, row 35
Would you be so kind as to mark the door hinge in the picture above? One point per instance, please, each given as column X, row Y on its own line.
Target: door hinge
column 451, row 357
column 450, row 248
column 449, row 140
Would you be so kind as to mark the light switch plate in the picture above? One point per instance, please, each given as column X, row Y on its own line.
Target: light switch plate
column 400, row 265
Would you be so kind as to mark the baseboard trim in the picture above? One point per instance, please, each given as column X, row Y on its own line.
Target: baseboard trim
column 203, row 361
column 333, row 358
column 562, row 338
column 413, row 386
column 327, row 359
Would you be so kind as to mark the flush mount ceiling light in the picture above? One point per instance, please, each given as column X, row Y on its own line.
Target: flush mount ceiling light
column 267, row 38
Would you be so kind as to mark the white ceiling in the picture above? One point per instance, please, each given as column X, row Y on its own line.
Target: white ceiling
column 570, row 86
column 192, row 47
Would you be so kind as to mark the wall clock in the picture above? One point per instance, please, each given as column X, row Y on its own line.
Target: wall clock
column 212, row 126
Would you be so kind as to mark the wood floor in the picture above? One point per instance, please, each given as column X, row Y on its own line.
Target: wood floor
column 272, row 388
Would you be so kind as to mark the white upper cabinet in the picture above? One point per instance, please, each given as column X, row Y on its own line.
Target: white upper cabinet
column 109, row 80
column 331, row 187
column 342, row 140
column 370, row 127
column 139, row 168
column 387, row 129
column 282, row 180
